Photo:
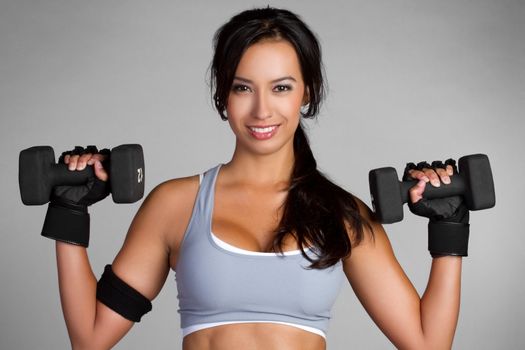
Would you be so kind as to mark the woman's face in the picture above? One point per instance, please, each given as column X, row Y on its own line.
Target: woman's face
column 264, row 103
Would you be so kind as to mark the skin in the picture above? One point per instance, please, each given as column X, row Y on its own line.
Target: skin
column 268, row 90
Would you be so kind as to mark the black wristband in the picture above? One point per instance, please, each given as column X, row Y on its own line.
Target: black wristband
column 67, row 224
column 448, row 238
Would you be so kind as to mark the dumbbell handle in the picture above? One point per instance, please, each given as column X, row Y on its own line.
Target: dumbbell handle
column 457, row 186
column 63, row 176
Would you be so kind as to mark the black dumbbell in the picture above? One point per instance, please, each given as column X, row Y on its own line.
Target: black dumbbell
column 473, row 181
column 38, row 174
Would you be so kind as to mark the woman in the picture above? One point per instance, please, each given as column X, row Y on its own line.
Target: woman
column 260, row 245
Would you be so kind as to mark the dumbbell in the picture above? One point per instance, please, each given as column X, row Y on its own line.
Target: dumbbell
column 473, row 181
column 38, row 174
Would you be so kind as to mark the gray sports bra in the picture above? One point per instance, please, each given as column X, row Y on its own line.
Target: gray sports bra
column 217, row 285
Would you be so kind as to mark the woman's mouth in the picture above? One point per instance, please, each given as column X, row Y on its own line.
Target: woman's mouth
column 263, row 132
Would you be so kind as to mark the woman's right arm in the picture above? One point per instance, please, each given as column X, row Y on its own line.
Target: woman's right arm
column 142, row 263
column 84, row 315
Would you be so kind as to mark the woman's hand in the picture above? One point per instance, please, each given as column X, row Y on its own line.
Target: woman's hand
column 67, row 217
column 448, row 229
column 425, row 173
column 96, row 188
column 90, row 156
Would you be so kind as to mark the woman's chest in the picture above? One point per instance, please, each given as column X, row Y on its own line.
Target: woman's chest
column 249, row 220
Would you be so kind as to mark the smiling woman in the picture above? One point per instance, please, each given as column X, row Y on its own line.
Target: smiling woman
column 260, row 245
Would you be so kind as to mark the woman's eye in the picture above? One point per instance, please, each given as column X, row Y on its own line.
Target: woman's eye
column 240, row 88
column 282, row 88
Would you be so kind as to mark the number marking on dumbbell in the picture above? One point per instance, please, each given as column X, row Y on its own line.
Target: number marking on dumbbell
column 140, row 175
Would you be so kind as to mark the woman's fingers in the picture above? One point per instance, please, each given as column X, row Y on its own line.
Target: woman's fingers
column 95, row 157
column 434, row 176
column 79, row 162
column 450, row 170
column 443, row 175
column 418, row 175
column 82, row 161
column 71, row 161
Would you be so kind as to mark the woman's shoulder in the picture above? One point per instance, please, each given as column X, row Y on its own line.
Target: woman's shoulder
column 364, row 210
column 169, row 206
column 175, row 192
column 367, row 222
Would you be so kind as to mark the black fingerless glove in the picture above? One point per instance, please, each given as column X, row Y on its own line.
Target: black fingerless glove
column 67, row 217
column 448, row 226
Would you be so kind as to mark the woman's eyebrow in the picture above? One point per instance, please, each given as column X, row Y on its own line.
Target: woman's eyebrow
column 289, row 77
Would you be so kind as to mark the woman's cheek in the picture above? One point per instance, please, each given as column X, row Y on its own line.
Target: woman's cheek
column 295, row 103
column 239, row 105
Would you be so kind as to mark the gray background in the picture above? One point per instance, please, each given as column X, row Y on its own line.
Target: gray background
column 409, row 80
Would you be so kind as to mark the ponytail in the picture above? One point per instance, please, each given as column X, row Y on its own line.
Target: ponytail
column 317, row 212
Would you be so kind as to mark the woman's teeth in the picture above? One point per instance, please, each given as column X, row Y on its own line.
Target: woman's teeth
column 263, row 130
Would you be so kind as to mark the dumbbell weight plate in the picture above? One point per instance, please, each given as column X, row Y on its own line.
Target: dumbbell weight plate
column 476, row 171
column 127, row 163
column 32, row 162
column 384, row 182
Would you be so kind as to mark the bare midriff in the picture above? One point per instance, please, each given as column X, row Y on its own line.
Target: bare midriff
column 253, row 336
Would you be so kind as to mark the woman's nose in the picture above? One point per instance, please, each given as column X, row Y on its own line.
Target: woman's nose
column 262, row 108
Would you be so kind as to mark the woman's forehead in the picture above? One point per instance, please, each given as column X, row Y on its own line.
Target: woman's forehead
column 269, row 60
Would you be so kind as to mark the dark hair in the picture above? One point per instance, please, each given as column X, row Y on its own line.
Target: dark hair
column 316, row 211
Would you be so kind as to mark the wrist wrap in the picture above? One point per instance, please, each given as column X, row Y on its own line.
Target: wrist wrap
column 67, row 223
column 448, row 238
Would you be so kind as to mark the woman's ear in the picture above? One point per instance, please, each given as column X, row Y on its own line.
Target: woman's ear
column 306, row 97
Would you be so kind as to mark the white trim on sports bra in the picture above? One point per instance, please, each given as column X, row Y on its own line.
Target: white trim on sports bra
column 197, row 327
column 235, row 249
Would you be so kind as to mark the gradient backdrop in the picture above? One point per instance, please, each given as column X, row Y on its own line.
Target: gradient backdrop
column 409, row 81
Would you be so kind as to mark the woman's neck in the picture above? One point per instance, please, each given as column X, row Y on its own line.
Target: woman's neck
column 260, row 170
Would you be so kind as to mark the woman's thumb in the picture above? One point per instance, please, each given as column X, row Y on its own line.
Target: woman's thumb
column 100, row 172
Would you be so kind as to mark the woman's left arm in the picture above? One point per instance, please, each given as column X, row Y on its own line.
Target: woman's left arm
column 410, row 322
